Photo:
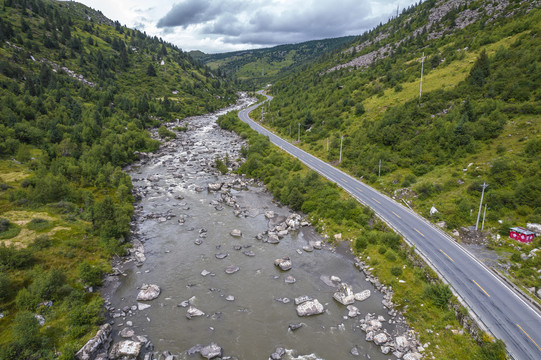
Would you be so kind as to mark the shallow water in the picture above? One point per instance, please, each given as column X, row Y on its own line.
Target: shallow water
column 255, row 323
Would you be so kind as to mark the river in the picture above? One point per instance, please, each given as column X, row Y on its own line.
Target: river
column 185, row 231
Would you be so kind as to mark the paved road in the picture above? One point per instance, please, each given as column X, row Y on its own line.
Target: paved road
column 499, row 308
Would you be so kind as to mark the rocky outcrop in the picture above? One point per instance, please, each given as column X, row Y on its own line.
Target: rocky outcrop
column 148, row 292
column 284, row 263
column 310, row 308
column 98, row 343
column 211, row 351
column 125, row 350
column 344, row 295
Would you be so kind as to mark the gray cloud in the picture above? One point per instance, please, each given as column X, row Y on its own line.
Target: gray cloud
column 272, row 22
column 188, row 13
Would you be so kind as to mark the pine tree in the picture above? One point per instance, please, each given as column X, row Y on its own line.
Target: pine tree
column 480, row 70
column 150, row 70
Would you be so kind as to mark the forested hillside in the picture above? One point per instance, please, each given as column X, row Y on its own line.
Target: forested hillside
column 476, row 121
column 77, row 93
column 258, row 67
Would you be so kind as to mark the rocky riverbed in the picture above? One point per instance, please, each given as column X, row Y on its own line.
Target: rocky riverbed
column 218, row 270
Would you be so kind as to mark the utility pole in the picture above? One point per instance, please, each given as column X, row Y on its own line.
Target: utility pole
column 484, row 214
column 341, row 140
column 379, row 170
column 299, row 137
column 484, row 186
column 422, row 68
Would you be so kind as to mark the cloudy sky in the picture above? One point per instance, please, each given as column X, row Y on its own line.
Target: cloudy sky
column 214, row 26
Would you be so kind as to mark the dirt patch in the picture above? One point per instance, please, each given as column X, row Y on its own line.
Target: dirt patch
column 13, row 176
column 22, row 218
column 25, row 238
column 57, row 229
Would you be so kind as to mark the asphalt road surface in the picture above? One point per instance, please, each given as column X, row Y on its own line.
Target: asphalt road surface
column 505, row 313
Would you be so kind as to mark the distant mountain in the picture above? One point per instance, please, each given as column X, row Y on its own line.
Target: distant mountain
column 258, row 67
column 77, row 95
column 475, row 120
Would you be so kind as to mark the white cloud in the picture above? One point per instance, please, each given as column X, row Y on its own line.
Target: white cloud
column 228, row 25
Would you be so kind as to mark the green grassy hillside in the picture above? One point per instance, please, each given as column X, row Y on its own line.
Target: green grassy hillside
column 77, row 93
column 258, row 67
column 477, row 119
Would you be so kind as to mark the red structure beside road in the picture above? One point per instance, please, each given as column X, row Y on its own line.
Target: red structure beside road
column 521, row 234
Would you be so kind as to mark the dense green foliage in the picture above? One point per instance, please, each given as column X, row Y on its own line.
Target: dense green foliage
column 477, row 119
column 77, row 93
column 258, row 67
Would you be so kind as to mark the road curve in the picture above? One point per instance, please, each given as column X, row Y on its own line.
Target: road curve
column 502, row 311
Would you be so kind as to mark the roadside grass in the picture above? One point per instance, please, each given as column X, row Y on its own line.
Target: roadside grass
column 432, row 323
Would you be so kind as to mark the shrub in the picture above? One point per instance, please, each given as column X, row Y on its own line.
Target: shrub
column 90, row 275
column 25, row 300
column 5, row 286
column 382, row 250
column 38, row 224
column 42, row 242
column 26, row 330
column 391, row 240
column 165, row 133
column 439, row 294
column 8, row 230
column 13, row 258
column 360, row 244
column 391, row 256
column 86, row 314
column 396, row 270
column 220, row 165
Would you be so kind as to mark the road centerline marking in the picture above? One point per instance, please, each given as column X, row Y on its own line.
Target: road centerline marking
column 480, row 287
column 358, row 188
column 398, row 216
column 528, row 336
column 420, row 233
column 376, row 201
column 443, row 252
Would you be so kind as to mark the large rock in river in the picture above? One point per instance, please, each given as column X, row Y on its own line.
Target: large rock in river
column 310, row 307
column 283, row 263
column 91, row 348
column 126, row 349
column 236, row 233
column 363, row 295
column 211, row 351
column 148, row 292
column 344, row 295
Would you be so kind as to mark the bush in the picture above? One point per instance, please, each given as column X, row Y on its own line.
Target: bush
column 382, row 250
column 360, row 244
column 86, row 314
column 38, row 224
column 396, row 270
column 164, row 133
column 220, row 165
column 5, row 286
column 26, row 330
column 13, row 258
column 391, row 240
column 42, row 242
column 8, row 230
column 439, row 294
column 391, row 256
column 90, row 275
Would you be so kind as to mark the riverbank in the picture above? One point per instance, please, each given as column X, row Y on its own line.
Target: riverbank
column 184, row 244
